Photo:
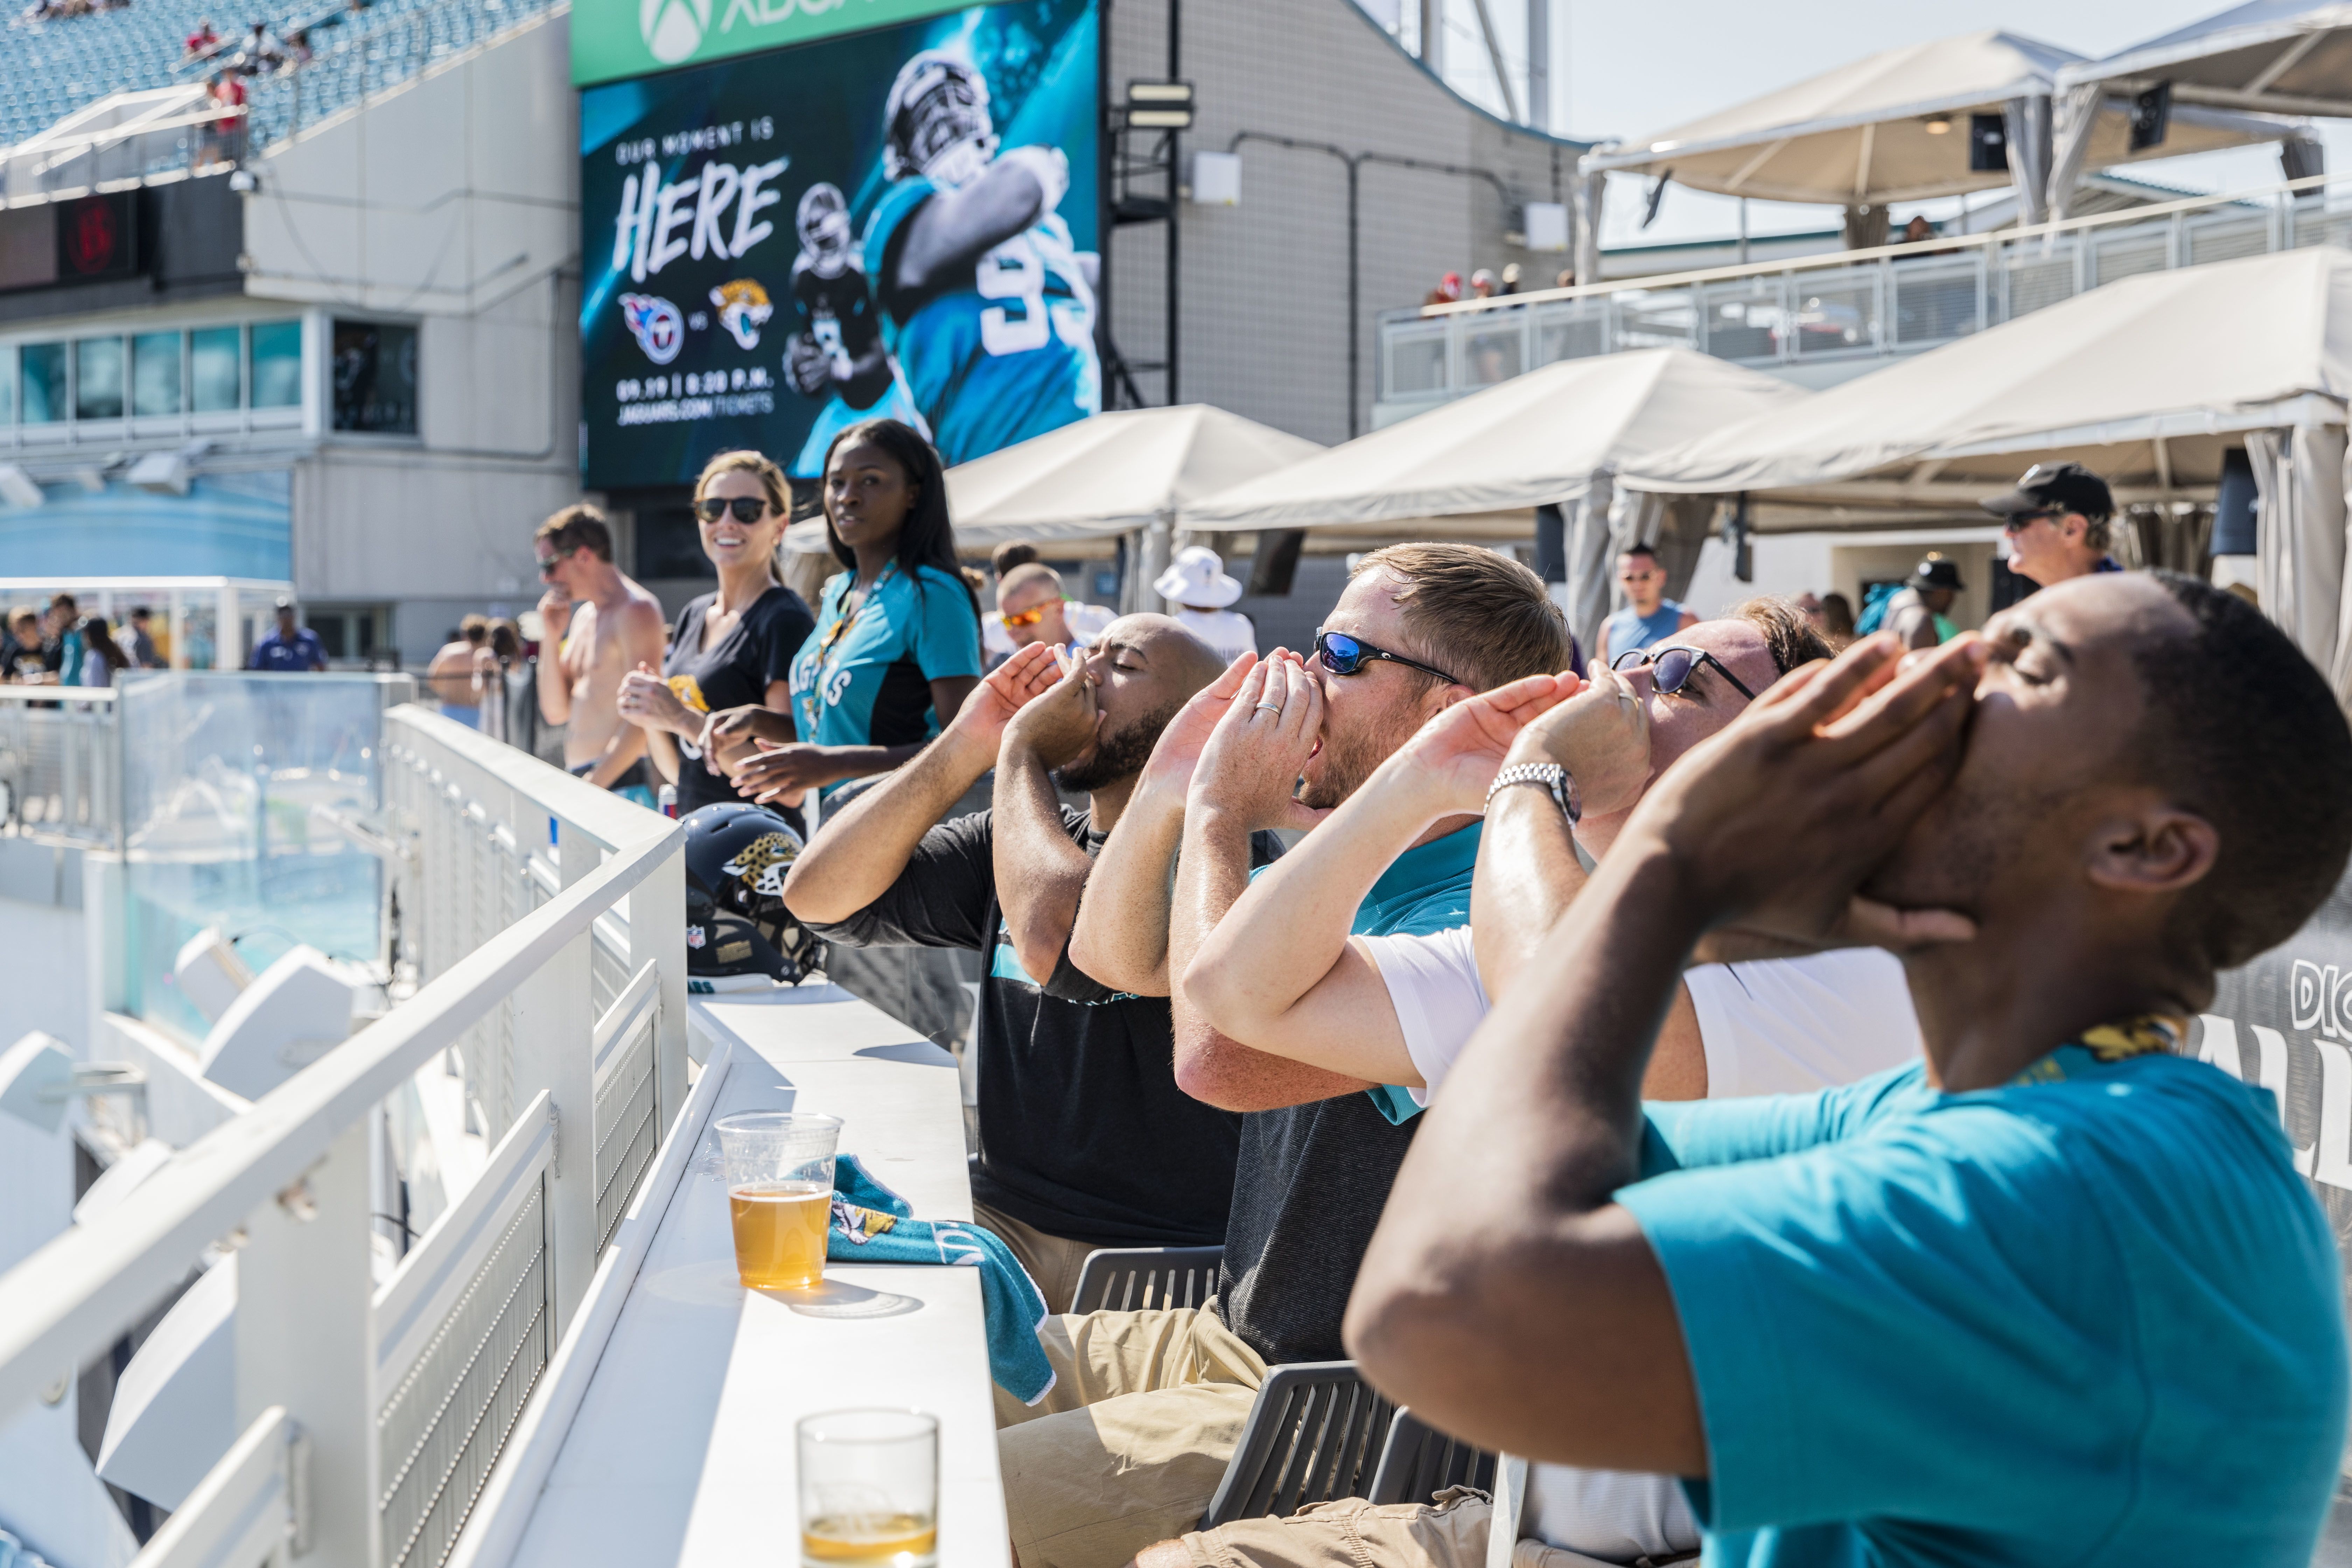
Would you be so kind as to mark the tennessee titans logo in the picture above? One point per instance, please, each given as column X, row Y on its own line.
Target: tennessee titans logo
column 655, row 322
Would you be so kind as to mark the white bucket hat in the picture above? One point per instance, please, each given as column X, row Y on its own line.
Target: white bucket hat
column 1197, row 577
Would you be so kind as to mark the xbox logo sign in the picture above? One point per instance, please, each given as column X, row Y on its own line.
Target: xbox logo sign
column 672, row 28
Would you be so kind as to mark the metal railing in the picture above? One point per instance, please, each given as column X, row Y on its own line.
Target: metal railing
column 1857, row 304
column 374, row 1414
column 202, row 140
column 61, row 765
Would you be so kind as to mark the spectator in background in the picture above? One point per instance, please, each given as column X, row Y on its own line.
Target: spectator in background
column 596, row 625
column 1566, row 278
column 203, row 40
column 451, row 672
column 290, row 646
column 732, row 648
column 61, row 644
column 1649, row 617
column 1837, row 621
column 1197, row 591
column 1918, row 231
column 500, row 652
column 1917, row 615
column 994, row 645
column 1031, row 608
column 142, row 639
column 2057, row 520
column 1448, row 290
column 1011, row 553
column 20, row 645
column 1511, row 278
column 1482, row 284
column 102, row 657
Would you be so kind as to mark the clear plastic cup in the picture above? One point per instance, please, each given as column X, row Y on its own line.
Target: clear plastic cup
column 780, row 1194
column 869, row 1488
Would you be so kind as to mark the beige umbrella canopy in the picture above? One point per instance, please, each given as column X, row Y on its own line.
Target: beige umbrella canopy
column 2280, row 57
column 1895, row 127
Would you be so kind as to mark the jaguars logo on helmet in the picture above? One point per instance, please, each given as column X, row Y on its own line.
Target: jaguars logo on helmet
column 736, row 857
column 936, row 122
column 762, row 862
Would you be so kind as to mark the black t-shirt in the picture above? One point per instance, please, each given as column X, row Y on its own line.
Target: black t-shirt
column 759, row 650
column 1083, row 1131
column 1310, row 1182
column 839, row 302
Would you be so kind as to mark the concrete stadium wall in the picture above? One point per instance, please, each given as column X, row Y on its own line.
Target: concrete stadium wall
column 452, row 202
column 1264, row 304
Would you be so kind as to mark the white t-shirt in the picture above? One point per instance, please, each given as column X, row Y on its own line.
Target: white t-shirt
column 1786, row 1025
column 1227, row 631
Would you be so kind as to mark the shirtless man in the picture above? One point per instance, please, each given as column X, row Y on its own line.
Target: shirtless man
column 451, row 673
column 617, row 625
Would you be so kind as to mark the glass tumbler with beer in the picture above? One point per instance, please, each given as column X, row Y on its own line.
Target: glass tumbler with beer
column 780, row 1194
column 869, row 1485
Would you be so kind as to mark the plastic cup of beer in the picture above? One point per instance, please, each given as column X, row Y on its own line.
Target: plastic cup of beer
column 870, row 1484
column 780, row 1194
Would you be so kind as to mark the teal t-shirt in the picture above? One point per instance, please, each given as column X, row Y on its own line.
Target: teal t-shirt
column 865, row 680
column 2093, row 1317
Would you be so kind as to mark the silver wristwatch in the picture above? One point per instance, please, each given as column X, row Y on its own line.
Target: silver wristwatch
column 1551, row 776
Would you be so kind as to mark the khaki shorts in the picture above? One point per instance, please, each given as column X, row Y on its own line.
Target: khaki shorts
column 1130, row 1442
column 1353, row 1533
column 1053, row 1262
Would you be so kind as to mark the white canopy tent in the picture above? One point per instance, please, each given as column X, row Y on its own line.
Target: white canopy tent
column 2274, row 57
column 1479, row 467
column 2149, row 381
column 1895, row 127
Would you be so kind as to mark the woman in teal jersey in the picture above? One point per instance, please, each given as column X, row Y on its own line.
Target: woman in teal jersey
column 896, row 645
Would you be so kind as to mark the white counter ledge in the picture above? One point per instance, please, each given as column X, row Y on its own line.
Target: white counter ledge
column 672, row 1441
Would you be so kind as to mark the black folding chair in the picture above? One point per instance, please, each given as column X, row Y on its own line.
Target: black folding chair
column 1139, row 1279
column 1419, row 1461
column 1314, row 1434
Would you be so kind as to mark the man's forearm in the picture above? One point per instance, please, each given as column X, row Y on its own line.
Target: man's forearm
column 859, row 852
column 1039, row 871
column 1120, row 937
column 1526, row 877
column 1212, row 869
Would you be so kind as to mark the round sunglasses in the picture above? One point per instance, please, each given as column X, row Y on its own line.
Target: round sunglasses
column 1671, row 669
column 747, row 509
column 1344, row 654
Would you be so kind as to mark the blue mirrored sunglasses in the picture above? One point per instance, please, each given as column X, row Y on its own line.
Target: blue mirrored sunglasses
column 1344, row 654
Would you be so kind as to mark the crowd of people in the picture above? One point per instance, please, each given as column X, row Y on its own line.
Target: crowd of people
column 1744, row 1077
column 1488, row 285
column 62, row 647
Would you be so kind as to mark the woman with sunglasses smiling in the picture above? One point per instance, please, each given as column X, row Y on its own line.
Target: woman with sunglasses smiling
column 734, row 647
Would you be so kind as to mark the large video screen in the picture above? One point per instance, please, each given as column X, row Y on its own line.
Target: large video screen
column 900, row 223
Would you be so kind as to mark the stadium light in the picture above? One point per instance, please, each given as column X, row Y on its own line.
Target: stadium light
column 1158, row 106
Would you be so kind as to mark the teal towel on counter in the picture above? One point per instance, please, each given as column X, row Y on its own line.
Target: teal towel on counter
column 871, row 1224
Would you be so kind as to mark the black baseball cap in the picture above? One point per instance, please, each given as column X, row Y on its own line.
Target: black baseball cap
column 1934, row 572
column 2061, row 488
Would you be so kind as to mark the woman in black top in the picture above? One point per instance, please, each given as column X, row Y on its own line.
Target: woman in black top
column 732, row 648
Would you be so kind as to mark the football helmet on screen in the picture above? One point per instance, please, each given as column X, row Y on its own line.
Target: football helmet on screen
column 736, row 922
column 936, row 122
column 823, row 223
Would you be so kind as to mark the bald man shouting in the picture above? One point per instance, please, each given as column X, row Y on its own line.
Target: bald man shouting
column 1085, row 1140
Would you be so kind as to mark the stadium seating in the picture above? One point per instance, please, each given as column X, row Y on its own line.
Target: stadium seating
column 50, row 69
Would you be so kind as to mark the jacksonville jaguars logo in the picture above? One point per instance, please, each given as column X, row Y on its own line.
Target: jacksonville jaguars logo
column 762, row 862
column 655, row 322
column 743, row 309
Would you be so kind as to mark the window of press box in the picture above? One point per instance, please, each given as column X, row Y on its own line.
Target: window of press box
column 216, row 380
column 155, row 361
column 277, row 379
column 97, row 378
column 41, row 383
column 376, row 378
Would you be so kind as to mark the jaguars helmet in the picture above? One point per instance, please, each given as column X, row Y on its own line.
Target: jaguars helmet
column 736, row 922
column 936, row 122
column 823, row 223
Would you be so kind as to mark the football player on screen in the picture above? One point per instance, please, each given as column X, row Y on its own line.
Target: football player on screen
column 986, row 303
column 836, row 353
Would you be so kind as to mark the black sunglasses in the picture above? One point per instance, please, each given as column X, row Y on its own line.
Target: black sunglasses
column 747, row 509
column 1344, row 654
column 547, row 565
column 1671, row 669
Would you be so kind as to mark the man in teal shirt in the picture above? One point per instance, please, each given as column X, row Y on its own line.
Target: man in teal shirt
column 2054, row 1295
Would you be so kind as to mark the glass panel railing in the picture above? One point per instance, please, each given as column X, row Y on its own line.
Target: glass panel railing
column 249, row 802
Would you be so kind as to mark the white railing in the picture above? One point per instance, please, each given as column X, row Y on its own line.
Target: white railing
column 201, row 141
column 61, row 765
column 1855, row 304
column 374, row 1414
